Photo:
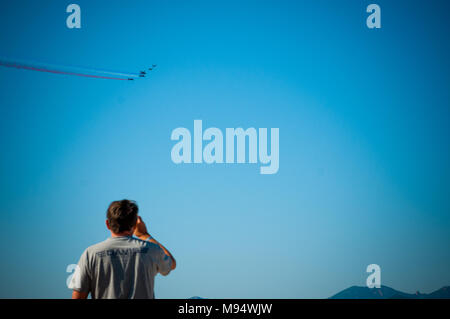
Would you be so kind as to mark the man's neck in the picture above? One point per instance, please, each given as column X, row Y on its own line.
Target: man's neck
column 123, row 234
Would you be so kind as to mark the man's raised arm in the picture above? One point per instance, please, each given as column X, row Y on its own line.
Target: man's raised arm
column 141, row 232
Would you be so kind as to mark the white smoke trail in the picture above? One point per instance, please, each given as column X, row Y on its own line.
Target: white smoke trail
column 62, row 69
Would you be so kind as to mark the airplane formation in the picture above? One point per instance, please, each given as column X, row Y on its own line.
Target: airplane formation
column 74, row 71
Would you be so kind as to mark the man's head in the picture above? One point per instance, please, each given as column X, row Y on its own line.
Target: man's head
column 121, row 217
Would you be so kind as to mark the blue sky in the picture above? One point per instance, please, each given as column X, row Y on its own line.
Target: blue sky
column 364, row 143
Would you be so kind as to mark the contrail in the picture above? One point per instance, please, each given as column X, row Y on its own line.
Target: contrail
column 17, row 66
column 84, row 72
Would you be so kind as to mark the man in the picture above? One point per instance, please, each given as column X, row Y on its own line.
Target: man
column 122, row 266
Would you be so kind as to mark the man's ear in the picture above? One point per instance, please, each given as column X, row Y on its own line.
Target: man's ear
column 107, row 225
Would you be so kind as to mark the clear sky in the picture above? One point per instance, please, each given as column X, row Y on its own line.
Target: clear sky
column 364, row 143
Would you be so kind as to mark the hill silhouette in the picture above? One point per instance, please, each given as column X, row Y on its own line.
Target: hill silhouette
column 384, row 292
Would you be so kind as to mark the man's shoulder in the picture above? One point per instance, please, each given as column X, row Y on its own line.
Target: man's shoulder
column 97, row 247
column 112, row 243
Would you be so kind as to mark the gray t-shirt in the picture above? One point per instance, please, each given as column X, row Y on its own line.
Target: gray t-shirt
column 120, row 267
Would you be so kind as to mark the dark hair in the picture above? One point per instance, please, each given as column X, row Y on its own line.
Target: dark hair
column 122, row 215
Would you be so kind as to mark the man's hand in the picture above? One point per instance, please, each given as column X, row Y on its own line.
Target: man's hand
column 141, row 230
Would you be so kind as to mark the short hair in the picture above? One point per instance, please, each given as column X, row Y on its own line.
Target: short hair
column 122, row 215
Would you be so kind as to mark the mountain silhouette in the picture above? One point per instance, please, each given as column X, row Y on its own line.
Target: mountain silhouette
column 443, row 293
column 384, row 292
